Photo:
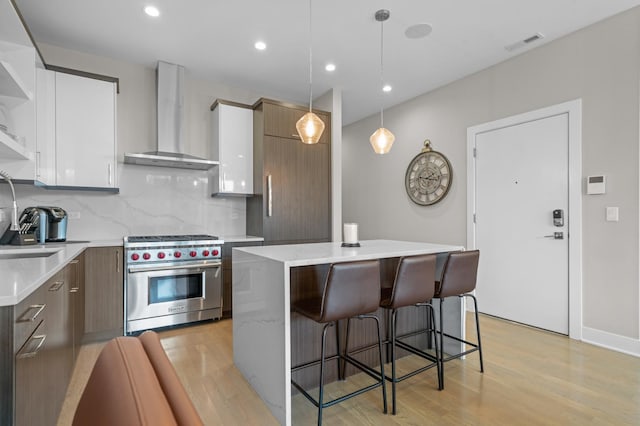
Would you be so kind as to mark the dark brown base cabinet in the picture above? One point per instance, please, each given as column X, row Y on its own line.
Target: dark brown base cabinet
column 40, row 338
column 104, row 287
column 227, row 274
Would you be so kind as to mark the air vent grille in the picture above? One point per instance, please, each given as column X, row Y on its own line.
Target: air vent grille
column 520, row 44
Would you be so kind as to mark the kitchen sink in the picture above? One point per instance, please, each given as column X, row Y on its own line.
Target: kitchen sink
column 26, row 253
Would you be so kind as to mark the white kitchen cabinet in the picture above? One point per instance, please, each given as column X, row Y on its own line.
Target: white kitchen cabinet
column 85, row 132
column 46, row 127
column 232, row 129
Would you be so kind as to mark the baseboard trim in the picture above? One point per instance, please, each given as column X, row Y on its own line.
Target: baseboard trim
column 611, row 341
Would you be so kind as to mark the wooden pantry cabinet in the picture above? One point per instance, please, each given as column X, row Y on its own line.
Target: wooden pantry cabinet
column 292, row 180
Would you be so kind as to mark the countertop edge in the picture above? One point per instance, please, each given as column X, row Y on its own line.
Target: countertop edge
column 66, row 254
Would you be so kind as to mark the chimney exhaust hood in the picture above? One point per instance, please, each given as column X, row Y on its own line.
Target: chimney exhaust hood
column 170, row 119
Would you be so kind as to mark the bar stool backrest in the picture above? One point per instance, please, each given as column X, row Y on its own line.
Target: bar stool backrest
column 459, row 273
column 352, row 288
column 415, row 281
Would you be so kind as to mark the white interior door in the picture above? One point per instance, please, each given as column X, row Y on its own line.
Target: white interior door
column 522, row 176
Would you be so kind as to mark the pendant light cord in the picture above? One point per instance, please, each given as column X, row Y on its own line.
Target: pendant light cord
column 310, row 58
column 381, row 73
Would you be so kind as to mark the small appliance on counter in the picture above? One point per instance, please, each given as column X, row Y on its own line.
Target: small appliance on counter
column 56, row 224
column 46, row 224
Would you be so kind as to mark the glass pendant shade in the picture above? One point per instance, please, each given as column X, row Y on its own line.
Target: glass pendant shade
column 381, row 140
column 310, row 128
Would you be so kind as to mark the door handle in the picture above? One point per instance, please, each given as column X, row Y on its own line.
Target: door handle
column 270, row 197
column 556, row 236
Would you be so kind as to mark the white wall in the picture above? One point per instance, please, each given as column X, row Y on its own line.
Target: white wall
column 601, row 65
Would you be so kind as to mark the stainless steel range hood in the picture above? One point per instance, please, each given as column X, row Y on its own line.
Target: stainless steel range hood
column 170, row 118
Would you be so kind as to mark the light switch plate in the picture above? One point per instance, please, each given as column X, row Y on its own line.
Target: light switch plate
column 612, row 214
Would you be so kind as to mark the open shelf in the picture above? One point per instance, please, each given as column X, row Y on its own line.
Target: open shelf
column 12, row 149
column 11, row 85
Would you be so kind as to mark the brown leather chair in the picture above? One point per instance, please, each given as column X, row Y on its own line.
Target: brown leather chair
column 459, row 279
column 413, row 285
column 134, row 383
column 351, row 289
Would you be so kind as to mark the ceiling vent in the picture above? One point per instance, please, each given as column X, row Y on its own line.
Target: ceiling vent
column 525, row 42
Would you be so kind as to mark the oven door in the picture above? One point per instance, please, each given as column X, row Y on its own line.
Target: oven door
column 154, row 292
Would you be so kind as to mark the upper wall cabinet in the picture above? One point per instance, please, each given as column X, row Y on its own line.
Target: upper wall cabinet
column 76, row 132
column 232, row 129
column 18, row 60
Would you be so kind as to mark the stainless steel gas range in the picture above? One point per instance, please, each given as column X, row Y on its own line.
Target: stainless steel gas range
column 171, row 280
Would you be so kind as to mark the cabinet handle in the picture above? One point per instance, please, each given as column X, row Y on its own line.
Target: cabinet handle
column 37, row 163
column 117, row 260
column 224, row 180
column 109, row 173
column 56, row 286
column 270, row 197
column 74, row 289
column 38, row 308
column 34, row 352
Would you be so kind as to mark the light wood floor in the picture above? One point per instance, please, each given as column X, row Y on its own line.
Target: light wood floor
column 531, row 377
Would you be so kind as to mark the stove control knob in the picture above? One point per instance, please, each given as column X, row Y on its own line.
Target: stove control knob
column 135, row 256
column 215, row 253
column 193, row 253
column 146, row 256
column 205, row 253
column 161, row 255
column 177, row 254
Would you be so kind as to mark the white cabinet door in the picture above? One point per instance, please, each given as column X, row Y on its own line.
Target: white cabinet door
column 46, row 126
column 233, row 148
column 85, row 132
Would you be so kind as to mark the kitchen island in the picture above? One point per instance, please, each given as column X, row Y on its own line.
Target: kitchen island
column 264, row 280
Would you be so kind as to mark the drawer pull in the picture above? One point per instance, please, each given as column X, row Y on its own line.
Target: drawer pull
column 74, row 289
column 56, row 285
column 41, row 338
column 38, row 308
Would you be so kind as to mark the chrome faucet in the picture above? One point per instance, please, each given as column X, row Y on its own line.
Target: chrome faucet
column 14, row 212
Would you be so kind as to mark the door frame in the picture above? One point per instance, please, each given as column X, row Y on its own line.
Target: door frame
column 574, row 111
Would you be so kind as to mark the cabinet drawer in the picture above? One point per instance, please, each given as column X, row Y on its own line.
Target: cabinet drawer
column 281, row 121
column 28, row 314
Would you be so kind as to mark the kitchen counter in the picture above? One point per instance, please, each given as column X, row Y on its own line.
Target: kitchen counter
column 262, row 292
column 21, row 276
column 240, row 238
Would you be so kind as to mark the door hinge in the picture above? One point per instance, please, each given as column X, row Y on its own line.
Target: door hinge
column 475, row 152
column 474, row 218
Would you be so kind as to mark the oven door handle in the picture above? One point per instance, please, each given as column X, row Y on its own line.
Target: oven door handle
column 133, row 269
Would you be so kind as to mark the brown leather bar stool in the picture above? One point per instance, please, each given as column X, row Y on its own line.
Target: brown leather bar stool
column 459, row 279
column 413, row 285
column 352, row 289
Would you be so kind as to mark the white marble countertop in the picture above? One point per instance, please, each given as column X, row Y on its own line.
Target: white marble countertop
column 319, row 253
column 240, row 238
column 19, row 277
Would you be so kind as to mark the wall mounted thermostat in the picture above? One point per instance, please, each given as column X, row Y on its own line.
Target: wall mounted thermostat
column 596, row 184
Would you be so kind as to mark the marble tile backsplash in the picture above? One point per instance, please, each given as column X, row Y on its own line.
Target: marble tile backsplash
column 152, row 201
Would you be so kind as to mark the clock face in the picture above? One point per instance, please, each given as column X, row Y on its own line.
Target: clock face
column 428, row 178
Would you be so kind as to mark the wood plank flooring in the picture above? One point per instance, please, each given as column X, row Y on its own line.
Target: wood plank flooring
column 531, row 377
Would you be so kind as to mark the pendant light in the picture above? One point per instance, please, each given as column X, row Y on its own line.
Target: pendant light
column 382, row 139
column 310, row 127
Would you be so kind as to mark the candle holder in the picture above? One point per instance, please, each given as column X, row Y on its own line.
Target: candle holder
column 350, row 244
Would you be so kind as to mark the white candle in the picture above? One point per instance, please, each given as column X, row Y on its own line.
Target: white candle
column 351, row 233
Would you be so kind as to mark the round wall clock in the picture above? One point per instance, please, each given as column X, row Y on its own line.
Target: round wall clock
column 428, row 176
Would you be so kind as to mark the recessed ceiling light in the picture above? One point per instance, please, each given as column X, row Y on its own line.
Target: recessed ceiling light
column 330, row 67
column 386, row 88
column 418, row 31
column 260, row 45
column 152, row 11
